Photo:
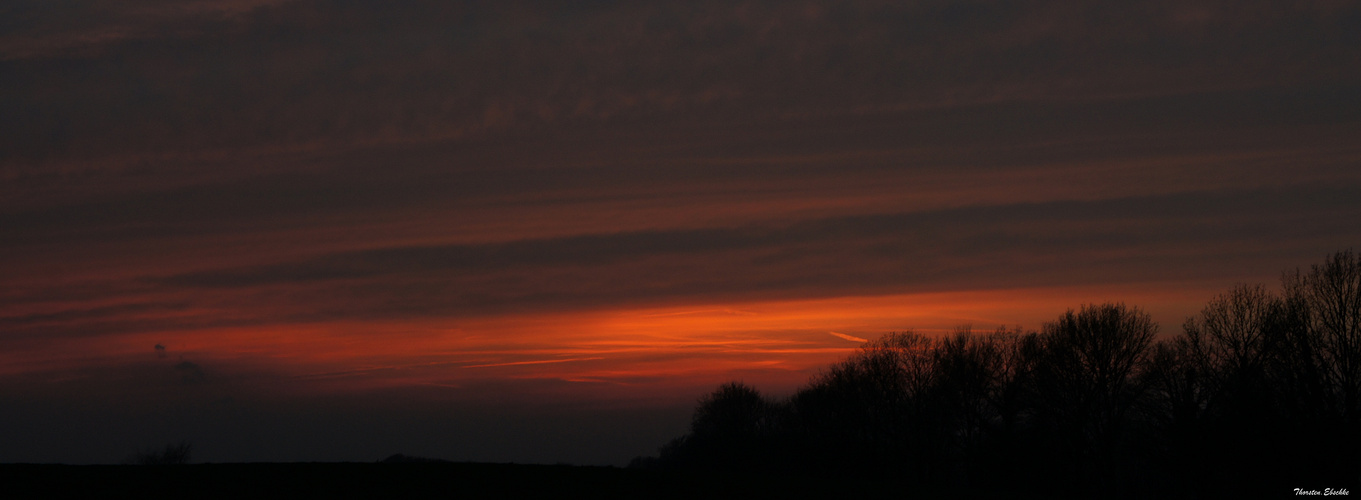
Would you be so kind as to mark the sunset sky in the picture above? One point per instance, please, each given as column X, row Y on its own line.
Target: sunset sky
column 538, row 231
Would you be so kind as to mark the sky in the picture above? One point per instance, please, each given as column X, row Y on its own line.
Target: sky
column 538, row 232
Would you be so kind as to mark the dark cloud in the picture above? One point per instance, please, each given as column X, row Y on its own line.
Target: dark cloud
column 807, row 155
column 85, row 314
column 304, row 74
column 1200, row 234
column 1058, row 243
column 31, row 334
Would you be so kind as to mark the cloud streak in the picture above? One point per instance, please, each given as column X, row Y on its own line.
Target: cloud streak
column 851, row 338
column 1140, row 239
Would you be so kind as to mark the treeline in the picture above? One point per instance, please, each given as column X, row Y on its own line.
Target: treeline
column 1261, row 391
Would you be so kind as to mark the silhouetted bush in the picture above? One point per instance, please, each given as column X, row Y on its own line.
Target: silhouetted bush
column 172, row 454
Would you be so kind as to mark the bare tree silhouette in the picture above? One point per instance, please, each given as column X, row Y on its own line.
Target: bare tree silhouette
column 1322, row 367
column 1085, row 386
column 1327, row 301
column 865, row 411
column 1257, row 387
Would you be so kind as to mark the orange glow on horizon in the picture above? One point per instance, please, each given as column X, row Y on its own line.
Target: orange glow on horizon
column 772, row 344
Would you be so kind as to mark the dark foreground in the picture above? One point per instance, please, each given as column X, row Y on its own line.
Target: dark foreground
column 395, row 481
column 471, row 480
column 423, row 480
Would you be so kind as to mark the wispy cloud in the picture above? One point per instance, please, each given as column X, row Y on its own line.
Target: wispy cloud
column 848, row 337
column 532, row 362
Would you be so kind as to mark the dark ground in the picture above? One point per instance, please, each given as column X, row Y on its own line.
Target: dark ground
column 418, row 480
column 452, row 480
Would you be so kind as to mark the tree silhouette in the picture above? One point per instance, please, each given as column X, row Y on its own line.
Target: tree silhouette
column 1258, row 387
column 1322, row 364
column 734, row 411
column 1218, row 383
column 1086, row 385
column 1327, row 301
column 865, row 412
column 730, row 428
